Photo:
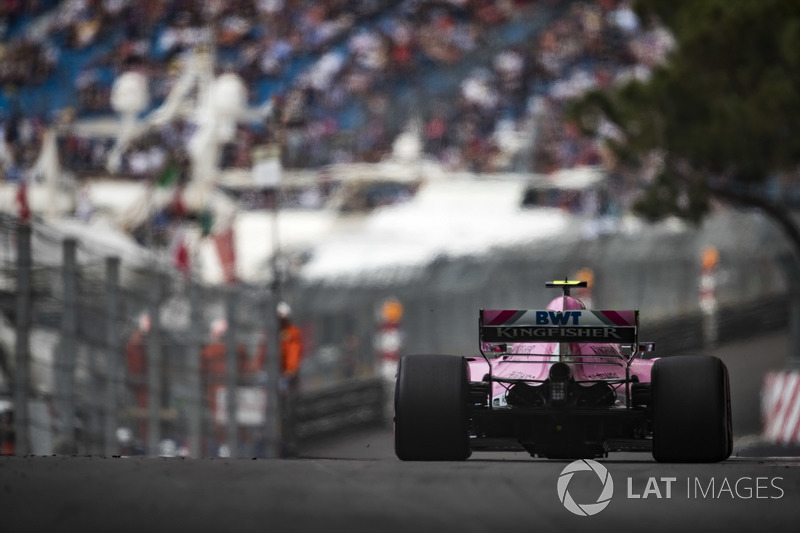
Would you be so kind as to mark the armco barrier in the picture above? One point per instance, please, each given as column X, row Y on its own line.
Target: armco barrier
column 735, row 322
column 351, row 404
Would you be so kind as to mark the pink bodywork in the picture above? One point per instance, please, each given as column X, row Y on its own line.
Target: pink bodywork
column 520, row 363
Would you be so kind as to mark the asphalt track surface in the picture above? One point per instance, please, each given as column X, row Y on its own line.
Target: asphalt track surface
column 354, row 483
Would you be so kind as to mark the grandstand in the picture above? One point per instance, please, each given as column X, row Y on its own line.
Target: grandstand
column 348, row 74
column 481, row 84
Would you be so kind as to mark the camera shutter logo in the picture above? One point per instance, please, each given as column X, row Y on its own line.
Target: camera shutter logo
column 587, row 509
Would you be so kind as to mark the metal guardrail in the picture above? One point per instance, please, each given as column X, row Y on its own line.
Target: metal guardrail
column 351, row 404
column 734, row 322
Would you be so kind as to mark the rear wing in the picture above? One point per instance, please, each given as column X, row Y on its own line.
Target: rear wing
column 576, row 326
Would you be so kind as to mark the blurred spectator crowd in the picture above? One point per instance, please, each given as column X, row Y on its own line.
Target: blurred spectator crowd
column 338, row 73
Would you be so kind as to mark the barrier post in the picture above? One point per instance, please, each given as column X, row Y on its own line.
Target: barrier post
column 67, row 353
column 273, row 418
column 194, row 350
column 113, row 354
column 154, row 365
column 231, row 372
column 22, row 380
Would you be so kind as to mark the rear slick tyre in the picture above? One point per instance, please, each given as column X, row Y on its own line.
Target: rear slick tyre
column 691, row 410
column 431, row 421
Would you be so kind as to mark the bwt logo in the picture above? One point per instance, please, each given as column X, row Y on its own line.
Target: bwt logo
column 557, row 318
column 586, row 509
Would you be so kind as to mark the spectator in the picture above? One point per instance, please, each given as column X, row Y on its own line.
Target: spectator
column 291, row 357
column 213, row 368
column 136, row 361
column 291, row 348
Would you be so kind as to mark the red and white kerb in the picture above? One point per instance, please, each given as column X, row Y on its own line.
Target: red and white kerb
column 780, row 407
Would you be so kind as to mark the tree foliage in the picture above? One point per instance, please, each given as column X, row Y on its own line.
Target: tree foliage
column 722, row 115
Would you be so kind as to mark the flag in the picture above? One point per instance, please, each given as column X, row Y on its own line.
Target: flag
column 177, row 205
column 181, row 256
column 168, row 176
column 22, row 202
column 225, row 245
column 206, row 222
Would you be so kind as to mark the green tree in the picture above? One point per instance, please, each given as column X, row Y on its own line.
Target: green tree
column 721, row 116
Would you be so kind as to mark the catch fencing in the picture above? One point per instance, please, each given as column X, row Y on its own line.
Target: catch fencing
column 121, row 357
column 130, row 359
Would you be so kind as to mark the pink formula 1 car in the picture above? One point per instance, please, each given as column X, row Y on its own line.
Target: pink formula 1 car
column 562, row 382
